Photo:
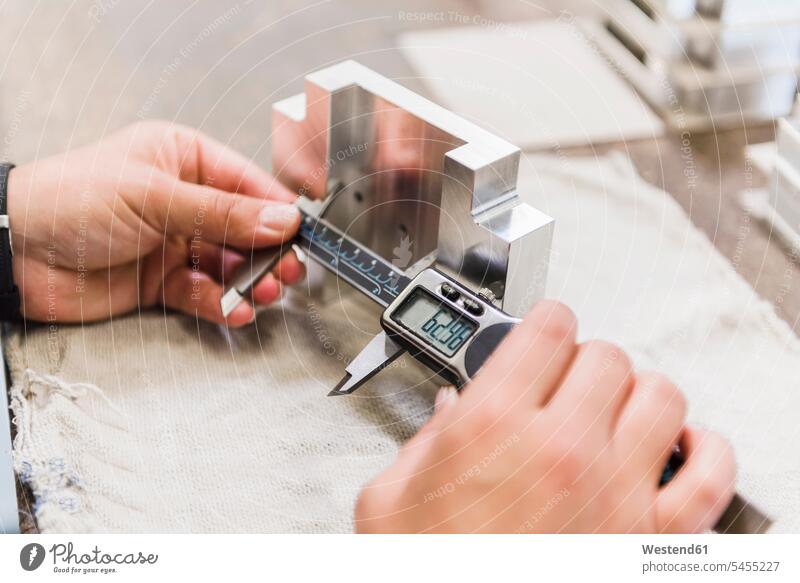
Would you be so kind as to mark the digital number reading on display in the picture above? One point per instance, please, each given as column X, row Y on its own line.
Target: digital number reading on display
column 434, row 322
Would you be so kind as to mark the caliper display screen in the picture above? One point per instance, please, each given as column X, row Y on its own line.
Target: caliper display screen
column 434, row 322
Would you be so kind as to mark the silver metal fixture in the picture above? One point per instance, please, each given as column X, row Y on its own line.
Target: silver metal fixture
column 411, row 181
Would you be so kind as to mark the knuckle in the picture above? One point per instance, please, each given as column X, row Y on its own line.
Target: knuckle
column 484, row 421
column 605, row 350
column 489, row 415
column 663, row 391
column 452, row 439
column 564, row 456
column 608, row 356
column 711, row 490
column 169, row 137
column 223, row 209
column 553, row 320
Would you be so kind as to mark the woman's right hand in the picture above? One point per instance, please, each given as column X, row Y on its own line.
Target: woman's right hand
column 554, row 436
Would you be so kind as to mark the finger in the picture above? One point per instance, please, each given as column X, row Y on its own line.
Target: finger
column 598, row 381
column 650, row 424
column 418, row 446
column 99, row 295
column 204, row 160
column 221, row 263
column 267, row 290
column 212, row 215
column 530, row 362
column 196, row 293
column 701, row 490
column 446, row 397
column 290, row 270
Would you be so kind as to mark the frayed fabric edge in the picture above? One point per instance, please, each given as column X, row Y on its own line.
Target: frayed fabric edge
column 56, row 487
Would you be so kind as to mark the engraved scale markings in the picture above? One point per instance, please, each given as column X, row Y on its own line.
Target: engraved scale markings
column 356, row 264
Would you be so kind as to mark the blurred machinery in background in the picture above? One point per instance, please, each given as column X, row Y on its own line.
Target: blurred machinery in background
column 703, row 63
column 778, row 204
column 785, row 186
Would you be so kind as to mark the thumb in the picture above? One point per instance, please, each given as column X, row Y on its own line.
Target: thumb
column 210, row 214
column 417, row 446
column 411, row 455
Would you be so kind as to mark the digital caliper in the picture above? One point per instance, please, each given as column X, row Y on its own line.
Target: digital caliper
column 441, row 323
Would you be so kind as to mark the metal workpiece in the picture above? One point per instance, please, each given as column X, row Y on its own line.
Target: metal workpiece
column 413, row 182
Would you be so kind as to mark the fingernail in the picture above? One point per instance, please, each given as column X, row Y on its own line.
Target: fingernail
column 446, row 397
column 278, row 216
column 240, row 311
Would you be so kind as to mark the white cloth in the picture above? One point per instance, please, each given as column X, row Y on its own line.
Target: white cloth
column 185, row 429
column 540, row 85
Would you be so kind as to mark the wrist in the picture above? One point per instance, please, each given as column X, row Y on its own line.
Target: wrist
column 15, row 207
column 9, row 294
column 19, row 184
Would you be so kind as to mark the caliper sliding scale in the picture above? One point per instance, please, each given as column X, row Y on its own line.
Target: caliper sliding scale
column 441, row 323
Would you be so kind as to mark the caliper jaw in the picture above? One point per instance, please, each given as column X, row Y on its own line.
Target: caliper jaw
column 377, row 355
